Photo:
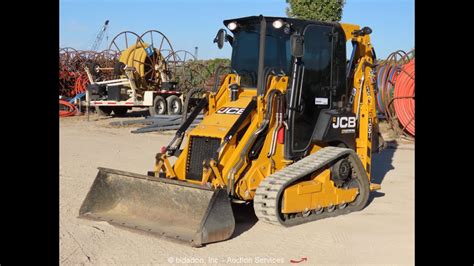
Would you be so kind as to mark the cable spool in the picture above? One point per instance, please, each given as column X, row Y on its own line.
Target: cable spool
column 379, row 88
column 150, row 54
column 404, row 97
column 389, row 90
column 395, row 94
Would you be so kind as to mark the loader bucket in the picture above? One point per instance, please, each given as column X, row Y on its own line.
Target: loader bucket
column 164, row 207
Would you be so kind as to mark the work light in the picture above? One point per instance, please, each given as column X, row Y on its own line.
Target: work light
column 277, row 23
column 232, row 25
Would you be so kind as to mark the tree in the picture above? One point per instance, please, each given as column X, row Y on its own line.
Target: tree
column 322, row 10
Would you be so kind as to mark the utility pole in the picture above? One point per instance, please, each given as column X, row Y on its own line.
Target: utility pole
column 196, row 52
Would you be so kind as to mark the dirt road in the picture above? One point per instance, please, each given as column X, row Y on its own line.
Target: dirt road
column 382, row 233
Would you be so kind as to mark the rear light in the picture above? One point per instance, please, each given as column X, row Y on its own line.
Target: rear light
column 281, row 135
column 163, row 150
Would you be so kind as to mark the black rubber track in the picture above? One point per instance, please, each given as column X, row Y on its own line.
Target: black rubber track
column 267, row 200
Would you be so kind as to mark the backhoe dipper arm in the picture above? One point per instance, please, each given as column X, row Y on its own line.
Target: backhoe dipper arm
column 362, row 97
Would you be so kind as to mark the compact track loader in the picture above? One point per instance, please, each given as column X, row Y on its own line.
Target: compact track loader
column 291, row 129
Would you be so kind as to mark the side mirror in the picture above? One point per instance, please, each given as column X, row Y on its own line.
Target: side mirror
column 220, row 38
column 297, row 45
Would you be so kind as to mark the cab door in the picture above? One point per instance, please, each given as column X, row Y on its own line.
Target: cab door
column 314, row 92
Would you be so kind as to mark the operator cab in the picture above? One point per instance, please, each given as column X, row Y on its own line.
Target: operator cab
column 311, row 53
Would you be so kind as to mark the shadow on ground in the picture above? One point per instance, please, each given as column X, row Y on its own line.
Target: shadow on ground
column 129, row 114
column 245, row 218
column 244, row 214
column 381, row 165
column 135, row 113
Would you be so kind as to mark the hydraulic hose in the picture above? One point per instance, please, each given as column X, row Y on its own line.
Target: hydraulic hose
column 80, row 85
column 66, row 109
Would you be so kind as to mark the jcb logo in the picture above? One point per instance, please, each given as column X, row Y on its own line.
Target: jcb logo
column 230, row 110
column 344, row 122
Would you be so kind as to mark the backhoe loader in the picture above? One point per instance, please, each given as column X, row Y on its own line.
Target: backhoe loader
column 291, row 129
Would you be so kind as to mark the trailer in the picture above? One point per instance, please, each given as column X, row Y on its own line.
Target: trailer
column 120, row 95
column 146, row 75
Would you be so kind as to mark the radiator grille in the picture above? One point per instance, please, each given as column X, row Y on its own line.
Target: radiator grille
column 201, row 148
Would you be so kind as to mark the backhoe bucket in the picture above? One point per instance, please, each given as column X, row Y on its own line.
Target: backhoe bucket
column 175, row 209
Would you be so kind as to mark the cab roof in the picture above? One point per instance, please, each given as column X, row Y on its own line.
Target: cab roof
column 297, row 24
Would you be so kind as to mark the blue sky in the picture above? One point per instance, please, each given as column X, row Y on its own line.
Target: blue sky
column 190, row 23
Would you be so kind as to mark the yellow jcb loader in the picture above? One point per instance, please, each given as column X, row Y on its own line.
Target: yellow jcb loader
column 291, row 129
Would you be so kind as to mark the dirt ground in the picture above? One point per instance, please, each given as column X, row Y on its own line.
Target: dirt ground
column 382, row 233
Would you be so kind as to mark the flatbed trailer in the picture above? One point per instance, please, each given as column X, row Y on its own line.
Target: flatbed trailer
column 120, row 95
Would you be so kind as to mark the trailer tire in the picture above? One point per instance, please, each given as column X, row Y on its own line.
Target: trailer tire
column 175, row 106
column 120, row 110
column 159, row 106
column 103, row 110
